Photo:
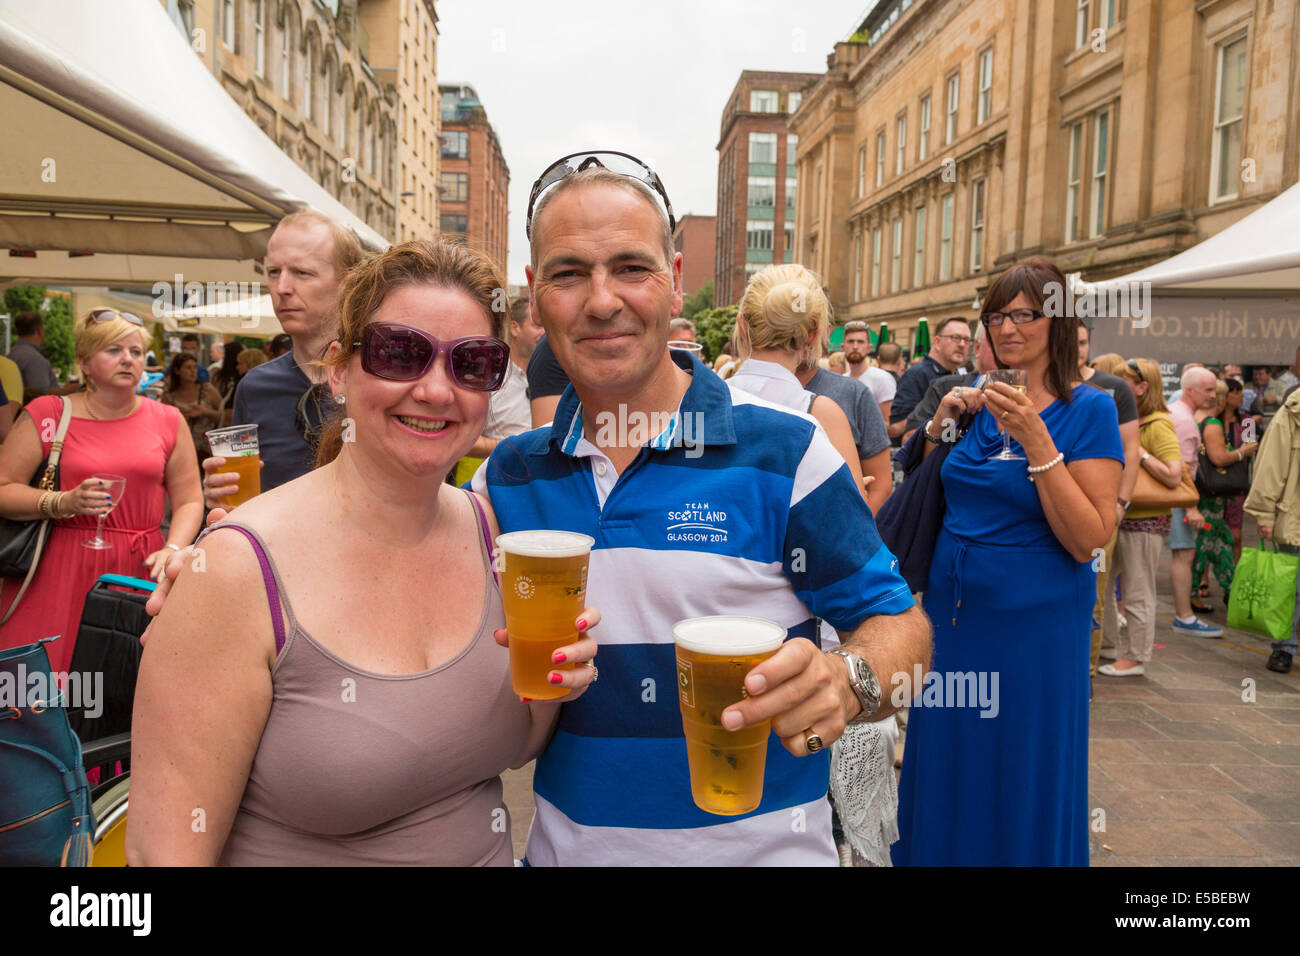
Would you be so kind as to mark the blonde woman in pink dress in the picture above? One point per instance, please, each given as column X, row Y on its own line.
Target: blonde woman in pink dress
column 113, row 431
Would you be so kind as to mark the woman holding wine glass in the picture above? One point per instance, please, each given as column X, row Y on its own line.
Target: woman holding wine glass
column 123, row 455
column 1004, row 781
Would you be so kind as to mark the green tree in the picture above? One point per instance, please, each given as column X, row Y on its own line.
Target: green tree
column 698, row 302
column 60, row 335
column 713, row 329
column 24, row 298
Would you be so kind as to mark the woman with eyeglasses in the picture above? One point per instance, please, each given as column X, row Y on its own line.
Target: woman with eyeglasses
column 1003, row 779
column 362, row 714
column 199, row 402
column 113, row 431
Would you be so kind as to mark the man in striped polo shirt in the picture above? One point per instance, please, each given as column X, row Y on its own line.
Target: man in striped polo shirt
column 701, row 501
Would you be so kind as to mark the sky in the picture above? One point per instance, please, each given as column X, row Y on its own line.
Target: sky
column 648, row 79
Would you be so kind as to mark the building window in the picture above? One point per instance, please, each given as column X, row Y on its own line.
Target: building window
column 327, row 98
column 306, row 82
column 984, row 108
column 455, row 143
column 454, row 225
column 1073, row 174
column 453, row 187
column 862, row 171
column 228, row 23
column 791, row 187
column 259, row 38
column 901, row 146
column 793, row 100
column 918, row 248
column 896, row 266
column 1229, row 106
column 1108, row 12
column 788, row 254
column 1100, row 155
column 954, row 95
column 923, row 146
column 880, row 157
column 1081, row 23
column 945, row 240
column 763, row 101
column 791, row 151
column 875, row 262
column 857, row 267
column 762, row 147
column 185, row 8
column 759, row 234
column 286, row 58
column 762, row 191
column 977, row 225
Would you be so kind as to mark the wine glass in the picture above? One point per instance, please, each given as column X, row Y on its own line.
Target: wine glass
column 1018, row 379
column 115, row 485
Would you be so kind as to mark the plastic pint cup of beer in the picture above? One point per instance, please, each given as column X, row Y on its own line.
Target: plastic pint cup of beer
column 543, row 590
column 238, row 445
column 713, row 656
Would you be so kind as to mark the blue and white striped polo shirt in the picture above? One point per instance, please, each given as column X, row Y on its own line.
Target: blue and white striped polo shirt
column 737, row 507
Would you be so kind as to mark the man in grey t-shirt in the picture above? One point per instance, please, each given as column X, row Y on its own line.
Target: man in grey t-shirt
column 38, row 374
column 865, row 420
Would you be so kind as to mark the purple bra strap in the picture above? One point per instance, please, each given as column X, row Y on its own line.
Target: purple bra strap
column 272, row 591
column 487, row 534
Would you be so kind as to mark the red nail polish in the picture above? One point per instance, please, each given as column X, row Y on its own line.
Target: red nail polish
column 559, row 657
column 582, row 624
column 555, row 678
column 525, row 699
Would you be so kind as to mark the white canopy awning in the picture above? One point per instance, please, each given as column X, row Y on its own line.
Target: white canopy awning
column 252, row 316
column 123, row 145
column 1258, row 252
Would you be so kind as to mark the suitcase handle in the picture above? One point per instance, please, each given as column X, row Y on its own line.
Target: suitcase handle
column 121, row 580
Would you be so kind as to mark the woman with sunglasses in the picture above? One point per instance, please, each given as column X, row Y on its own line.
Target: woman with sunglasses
column 1005, row 782
column 362, row 713
column 112, row 431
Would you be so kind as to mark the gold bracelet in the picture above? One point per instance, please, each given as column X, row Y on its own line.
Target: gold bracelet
column 42, row 504
column 56, row 505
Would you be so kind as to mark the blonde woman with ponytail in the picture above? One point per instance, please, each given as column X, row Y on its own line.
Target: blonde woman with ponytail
column 782, row 323
column 783, row 320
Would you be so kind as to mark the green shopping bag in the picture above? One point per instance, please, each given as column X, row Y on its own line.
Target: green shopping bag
column 1263, row 592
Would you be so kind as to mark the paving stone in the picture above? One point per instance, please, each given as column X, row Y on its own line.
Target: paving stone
column 1285, row 754
column 1128, row 806
column 1282, row 806
column 1202, row 750
column 1180, row 839
column 1148, row 776
column 1278, row 842
column 1262, row 778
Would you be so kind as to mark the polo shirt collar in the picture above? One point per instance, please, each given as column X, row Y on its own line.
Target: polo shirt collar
column 707, row 401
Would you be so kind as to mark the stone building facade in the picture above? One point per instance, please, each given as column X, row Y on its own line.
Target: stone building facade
column 950, row 138
column 474, row 181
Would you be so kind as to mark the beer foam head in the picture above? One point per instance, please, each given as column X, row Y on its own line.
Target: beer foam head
column 545, row 544
column 728, row 634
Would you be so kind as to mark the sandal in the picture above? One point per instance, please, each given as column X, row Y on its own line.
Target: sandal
column 1200, row 607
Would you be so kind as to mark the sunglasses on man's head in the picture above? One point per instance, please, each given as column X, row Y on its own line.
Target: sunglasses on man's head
column 401, row 353
column 624, row 164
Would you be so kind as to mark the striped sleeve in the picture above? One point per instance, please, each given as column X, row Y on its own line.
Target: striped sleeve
column 834, row 558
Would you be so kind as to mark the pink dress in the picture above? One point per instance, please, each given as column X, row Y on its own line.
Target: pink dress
column 137, row 448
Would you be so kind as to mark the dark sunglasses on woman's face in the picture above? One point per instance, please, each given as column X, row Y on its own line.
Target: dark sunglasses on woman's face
column 401, row 353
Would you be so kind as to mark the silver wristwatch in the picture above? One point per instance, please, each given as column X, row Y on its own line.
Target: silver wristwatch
column 863, row 681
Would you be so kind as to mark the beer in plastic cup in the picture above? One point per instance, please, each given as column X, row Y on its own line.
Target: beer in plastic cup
column 238, row 445
column 713, row 656
column 543, row 590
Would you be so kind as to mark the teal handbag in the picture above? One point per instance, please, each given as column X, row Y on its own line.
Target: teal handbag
column 45, row 810
column 1263, row 592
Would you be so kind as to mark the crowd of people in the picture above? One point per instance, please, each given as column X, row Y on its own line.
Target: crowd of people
column 410, row 419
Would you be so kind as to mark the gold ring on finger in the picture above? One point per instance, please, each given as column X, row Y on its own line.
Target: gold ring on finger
column 1005, row 414
column 813, row 742
column 595, row 671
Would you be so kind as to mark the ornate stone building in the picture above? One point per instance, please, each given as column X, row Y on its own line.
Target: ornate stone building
column 951, row 138
column 302, row 71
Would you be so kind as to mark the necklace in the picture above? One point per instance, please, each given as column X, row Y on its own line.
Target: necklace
column 101, row 418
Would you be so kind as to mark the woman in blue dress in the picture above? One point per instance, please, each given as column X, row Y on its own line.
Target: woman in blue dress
column 1002, row 779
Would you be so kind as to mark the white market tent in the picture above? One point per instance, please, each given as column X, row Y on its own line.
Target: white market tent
column 122, row 145
column 1234, row 297
column 252, row 316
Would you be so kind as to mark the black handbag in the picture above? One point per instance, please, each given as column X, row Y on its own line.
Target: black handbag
column 910, row 519
column 1215, row 482
column 23, row 542
column 108, row 645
